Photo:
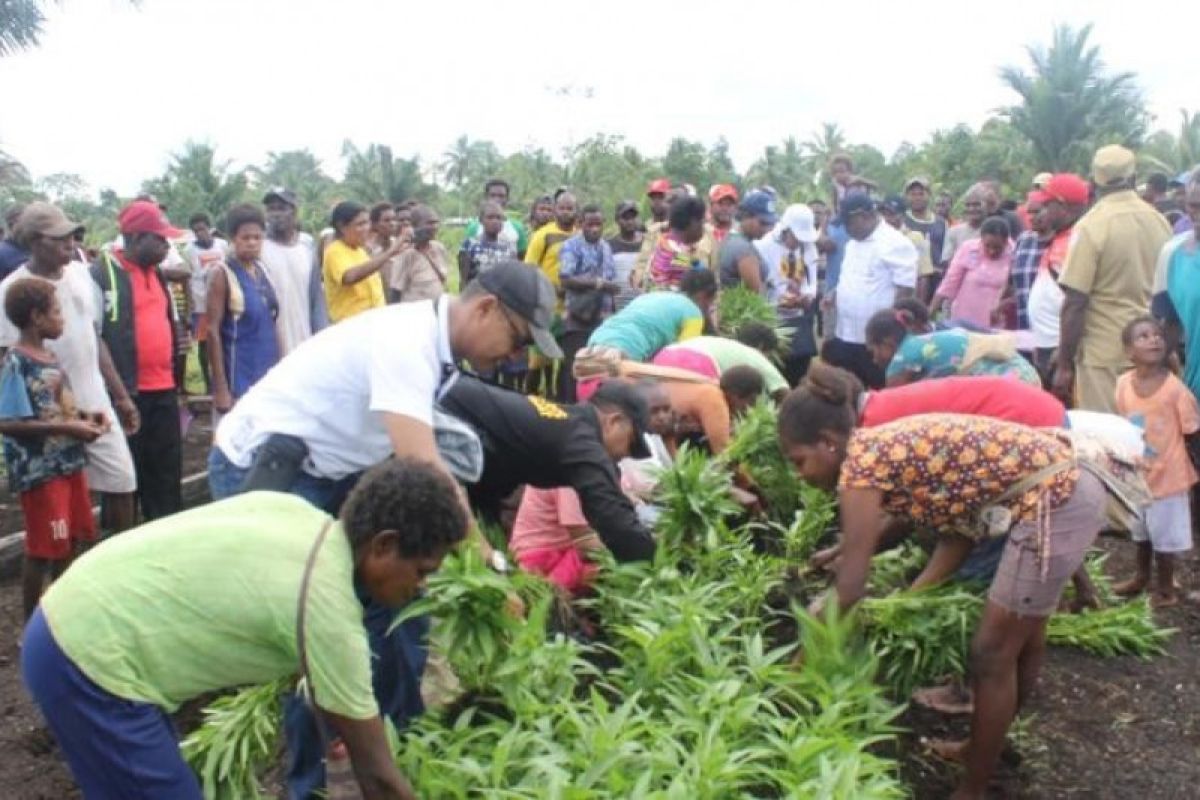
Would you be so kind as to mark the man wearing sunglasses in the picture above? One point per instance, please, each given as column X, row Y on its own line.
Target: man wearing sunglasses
column 364, row 389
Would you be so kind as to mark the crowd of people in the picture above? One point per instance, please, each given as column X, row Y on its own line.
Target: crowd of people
column 374, row 394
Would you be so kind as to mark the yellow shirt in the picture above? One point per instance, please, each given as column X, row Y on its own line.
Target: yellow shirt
column 544, row 249
column 924, row 261
column 346, row 301
column 1111, row 259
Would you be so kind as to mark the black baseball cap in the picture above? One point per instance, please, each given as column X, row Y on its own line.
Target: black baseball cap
column 625, row 206
column 280, row 193
column 625, row 397
column 893, row 204
column 855, row 203
column 525, row 291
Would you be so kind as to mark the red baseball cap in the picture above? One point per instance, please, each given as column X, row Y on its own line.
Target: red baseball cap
column 722, row 191
column 143, row 216
column 1069, row 189
column 1038, row 196
column 659, row 186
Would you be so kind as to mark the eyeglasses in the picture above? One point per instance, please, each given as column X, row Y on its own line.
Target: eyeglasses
column 521, row 339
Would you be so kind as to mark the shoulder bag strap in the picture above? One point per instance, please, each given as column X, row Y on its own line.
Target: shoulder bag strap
column 300, row 632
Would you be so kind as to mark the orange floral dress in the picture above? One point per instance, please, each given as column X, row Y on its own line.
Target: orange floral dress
column 940, row 470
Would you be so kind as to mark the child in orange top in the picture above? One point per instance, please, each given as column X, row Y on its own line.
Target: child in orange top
column 1152, row 397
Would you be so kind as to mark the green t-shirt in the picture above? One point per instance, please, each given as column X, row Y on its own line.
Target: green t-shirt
column 729, row 353
column 206, row 600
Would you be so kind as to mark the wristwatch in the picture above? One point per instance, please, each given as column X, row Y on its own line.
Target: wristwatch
column 499, row 562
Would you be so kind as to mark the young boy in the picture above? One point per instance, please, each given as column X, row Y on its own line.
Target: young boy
column 43, row 439
column 479, row 253
column 1155, row 400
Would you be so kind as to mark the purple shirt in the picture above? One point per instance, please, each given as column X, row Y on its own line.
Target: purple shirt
column 1183, row 224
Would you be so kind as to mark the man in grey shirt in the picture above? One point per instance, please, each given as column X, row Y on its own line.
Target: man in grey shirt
column 739, row 263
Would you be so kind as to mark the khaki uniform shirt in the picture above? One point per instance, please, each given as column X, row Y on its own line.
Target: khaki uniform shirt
column 1111, row 259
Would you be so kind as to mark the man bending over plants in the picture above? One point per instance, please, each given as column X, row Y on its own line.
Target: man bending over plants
column 965, row 478
column 528, row 440
column 210, row 599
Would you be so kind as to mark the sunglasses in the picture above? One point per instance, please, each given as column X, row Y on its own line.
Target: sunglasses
column 521, row 339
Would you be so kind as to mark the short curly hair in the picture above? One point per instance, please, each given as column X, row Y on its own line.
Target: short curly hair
column 24, row 297
column 759, row 335
column 413, row 498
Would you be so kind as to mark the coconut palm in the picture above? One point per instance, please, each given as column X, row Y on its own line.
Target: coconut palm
column 196, row 181
column 1170, row 153
column 1070, row 104
column 20, row 25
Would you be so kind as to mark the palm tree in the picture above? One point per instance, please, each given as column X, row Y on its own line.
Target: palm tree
column 456, row 162
column 20, row 25
column 12, row 171
column 1166, row 152
column 1070, row 105
column 824, row 145
column 374, row 174
column 196, row 181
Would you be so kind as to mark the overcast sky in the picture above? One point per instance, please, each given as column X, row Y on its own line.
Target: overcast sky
column 115, row 88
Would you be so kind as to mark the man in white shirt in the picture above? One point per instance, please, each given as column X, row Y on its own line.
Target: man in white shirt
column 289, row 258
column 349, row 398
column 879, row 268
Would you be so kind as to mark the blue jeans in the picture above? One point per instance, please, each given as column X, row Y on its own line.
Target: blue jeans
column 398, row 658
column 397, row 664
column 116, row 748
column 982, row 562
column 225, row 479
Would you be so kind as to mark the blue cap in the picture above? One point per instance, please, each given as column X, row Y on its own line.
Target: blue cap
column 758, row 203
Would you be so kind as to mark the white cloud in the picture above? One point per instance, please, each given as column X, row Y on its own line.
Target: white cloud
column 114, row 88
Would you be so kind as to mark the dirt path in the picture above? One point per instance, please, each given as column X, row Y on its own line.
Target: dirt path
column 1103, row 729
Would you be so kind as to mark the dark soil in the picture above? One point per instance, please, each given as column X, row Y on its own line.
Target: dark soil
column 1097, row 729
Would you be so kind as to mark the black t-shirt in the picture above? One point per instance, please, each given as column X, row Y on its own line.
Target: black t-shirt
column 619, row 245
column 528, row 440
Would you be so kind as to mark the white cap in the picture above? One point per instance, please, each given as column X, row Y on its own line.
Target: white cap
column 798, row 219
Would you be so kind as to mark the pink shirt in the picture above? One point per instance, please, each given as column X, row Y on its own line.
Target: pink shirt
column 974, row 282
column 545, row 520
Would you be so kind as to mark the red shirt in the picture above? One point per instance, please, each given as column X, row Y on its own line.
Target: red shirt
column 151, row 328
column 998, row 397
column 1055, row 254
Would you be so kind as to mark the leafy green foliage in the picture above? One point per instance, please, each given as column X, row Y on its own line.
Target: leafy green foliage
column 755, row 449
column 696, row 503
column 239, row 736
column 922, row 636
column 1115, row 630
column 738, row 305
column 474, row 625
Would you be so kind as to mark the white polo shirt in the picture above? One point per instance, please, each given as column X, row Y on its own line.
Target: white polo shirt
column 872, row 270
column 332, row 390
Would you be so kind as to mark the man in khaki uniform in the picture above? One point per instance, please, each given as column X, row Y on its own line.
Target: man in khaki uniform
column 1107, row 279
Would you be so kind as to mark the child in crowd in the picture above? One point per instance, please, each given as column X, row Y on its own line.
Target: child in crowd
column 551, row 538
column 43, row 439
column 1156, row 400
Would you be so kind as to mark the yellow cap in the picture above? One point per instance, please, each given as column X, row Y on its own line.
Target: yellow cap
column 1113, row 164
